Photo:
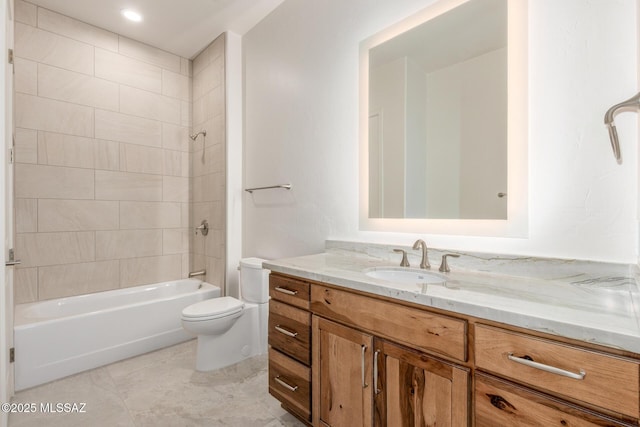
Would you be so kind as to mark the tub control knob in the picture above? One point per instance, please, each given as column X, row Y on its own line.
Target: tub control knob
column 203, row 227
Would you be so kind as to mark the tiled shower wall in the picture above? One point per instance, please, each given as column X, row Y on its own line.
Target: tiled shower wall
column 102, row 159
column 208, row 161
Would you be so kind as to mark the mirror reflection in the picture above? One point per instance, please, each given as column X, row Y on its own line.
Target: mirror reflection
column 438, row 117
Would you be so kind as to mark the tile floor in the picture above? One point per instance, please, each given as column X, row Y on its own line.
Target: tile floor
column 160, row 389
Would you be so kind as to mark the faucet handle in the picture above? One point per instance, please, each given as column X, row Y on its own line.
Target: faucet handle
column 405, row 261
column 444, row 267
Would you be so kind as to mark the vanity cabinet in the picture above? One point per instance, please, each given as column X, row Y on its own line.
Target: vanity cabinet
column 597, row 380
column 363, row 375
column 358, row 359
column 289, row 338
column 362, row 380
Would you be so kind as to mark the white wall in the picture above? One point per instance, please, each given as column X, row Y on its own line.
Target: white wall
column 301, row 125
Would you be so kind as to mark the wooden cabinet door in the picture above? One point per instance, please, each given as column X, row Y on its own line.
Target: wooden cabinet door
column 342, row 375
column 413, row 389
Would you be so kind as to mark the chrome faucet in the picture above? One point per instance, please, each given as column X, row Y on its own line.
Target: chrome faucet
column 420, row 244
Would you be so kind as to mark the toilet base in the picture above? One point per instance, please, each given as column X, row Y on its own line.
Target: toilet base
column 240, row 342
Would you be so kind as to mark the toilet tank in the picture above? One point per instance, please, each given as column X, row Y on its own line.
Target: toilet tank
column 254, row 281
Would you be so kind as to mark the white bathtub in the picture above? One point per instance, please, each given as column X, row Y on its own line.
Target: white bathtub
column 64, row 336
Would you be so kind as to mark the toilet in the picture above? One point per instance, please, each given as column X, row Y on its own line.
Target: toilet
column 229, row 329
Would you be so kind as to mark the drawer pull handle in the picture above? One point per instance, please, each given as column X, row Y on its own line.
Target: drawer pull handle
column 364, row 350
column 547, row 368
column 289, row 387
column 286, row 291
column 375, row 372
column 285, row 331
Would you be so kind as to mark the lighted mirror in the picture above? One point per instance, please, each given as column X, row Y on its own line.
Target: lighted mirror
column 443, row 121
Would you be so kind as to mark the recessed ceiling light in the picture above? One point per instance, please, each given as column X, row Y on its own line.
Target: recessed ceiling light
column 131, row 15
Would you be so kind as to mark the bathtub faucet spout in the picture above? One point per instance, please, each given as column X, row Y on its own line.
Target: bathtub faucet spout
column 197, row 273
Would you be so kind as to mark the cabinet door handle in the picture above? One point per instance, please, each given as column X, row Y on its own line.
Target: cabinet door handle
column 284, row 384
column 364, row 350
column 547, row 368
column 286, row 331
column 286, row 291
column 375, row 372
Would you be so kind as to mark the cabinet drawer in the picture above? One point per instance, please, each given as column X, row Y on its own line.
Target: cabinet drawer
column 419, row 329
column 501, row 403
column 608, row 382
column 291, row 291
column 290, row 331
column 290, row 383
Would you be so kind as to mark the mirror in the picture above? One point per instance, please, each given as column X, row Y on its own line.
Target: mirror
column 443, row 121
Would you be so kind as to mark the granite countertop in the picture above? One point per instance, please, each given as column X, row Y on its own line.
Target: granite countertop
column 594, row 302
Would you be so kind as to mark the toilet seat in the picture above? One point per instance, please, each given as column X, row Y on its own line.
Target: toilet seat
column 213, row 308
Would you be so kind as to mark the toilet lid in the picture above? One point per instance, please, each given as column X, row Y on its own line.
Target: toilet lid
column 214, row 307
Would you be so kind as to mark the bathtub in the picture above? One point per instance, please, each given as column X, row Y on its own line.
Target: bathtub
column 64, row 336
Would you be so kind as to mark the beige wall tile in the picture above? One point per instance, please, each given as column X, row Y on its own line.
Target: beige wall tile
column 209, row 160
column 25, row 76
column 26, row 13
column 140, row 271
column 128, row 71
column 78, row 88
column 142, row 103
column 25, row 285
column 186, row 164
column 198, row 262
column 185, row 113
column 77, row 279
column 172, row 163
column 208, row 188
column 26, row 150
column 125, row 128
column 185, row 215
column 208, row 79
column 137, row 158
column 175, row 241
column 53, row 182
column 128, row 244
column 175, row 137
column 150, row 54
column 185, row 67
column 33, row 112
column 207, row 56
column 214, row 244
column 215, row 272
column 26, row 215
column 175, row 189
column 49, row 48
column 57, row 149
column 40, row 249
column 186, row 262
column 107, row 155
column 128, row 186
column 78, row 30
column 175, row 85
column 141, row 215
column 77, row 215
column 208, row 106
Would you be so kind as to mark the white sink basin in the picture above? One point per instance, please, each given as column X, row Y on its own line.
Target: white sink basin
column 402, row 275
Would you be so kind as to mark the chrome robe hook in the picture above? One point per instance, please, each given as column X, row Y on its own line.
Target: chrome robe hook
column 631, row 104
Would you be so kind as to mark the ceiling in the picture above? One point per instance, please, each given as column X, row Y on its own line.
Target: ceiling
column 182, row 27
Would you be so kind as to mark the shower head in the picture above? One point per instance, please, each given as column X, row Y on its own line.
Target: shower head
column 631, row 104
column 195, row 135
